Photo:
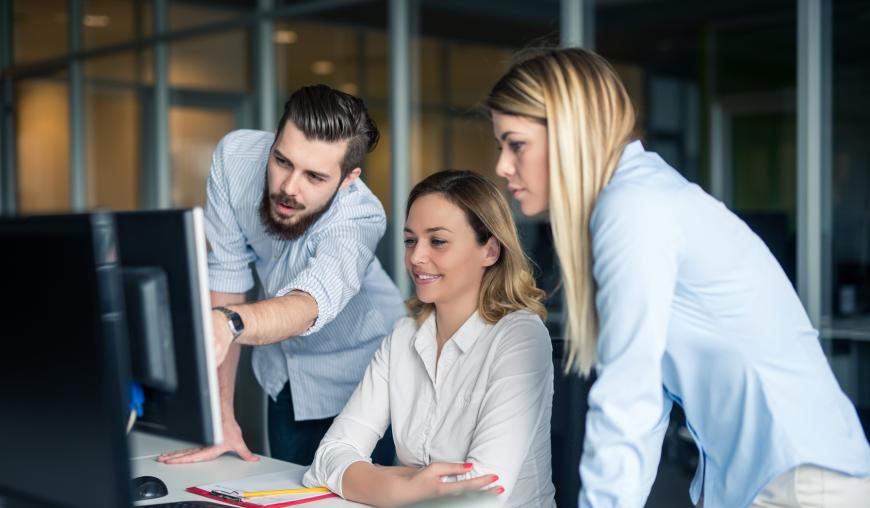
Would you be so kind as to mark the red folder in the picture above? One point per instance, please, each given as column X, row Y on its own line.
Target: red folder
column 200, row 492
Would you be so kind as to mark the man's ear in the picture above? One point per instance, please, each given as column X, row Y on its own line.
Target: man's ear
column 492, row 251
column 351, row 177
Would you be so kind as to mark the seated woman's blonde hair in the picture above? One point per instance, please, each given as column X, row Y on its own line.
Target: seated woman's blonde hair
column 508, row 284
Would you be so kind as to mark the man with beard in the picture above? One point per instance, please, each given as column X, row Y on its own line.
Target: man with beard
column 293, row 205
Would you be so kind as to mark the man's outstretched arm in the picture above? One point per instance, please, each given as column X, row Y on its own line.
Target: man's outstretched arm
column 266, row 322
column 233, row 440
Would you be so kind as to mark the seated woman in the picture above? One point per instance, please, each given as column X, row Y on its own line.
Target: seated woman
column 467, row 381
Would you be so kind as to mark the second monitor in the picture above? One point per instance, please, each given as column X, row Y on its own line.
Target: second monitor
column 167, row 247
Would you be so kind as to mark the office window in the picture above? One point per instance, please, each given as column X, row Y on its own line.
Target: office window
column 109, row 22
column 195, row 133
column 184, row 14
column 42, row 128
column 212, row 62
column 210, row 79
column 40, row 30
column 113, row 155
column 459, row 51
column 113, row 118
column 846, row 304
column 714, row 87
column 307, row 53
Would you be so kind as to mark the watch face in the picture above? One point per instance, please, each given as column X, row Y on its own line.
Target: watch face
column 236, row 323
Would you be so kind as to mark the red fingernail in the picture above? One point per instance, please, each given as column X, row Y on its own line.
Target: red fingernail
column 467, row 465
column 499, row 490
column 495, row 477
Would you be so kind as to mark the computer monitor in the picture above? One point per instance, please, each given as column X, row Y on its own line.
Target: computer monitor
column 64, row 378
column 172, row 243
column 63, row 372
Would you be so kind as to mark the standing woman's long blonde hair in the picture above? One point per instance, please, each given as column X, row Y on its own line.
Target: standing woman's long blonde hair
column 589, row 117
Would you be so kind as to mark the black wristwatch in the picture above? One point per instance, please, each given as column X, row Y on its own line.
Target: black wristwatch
column 234, row 321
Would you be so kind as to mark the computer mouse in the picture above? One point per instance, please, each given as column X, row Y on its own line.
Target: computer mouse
column 148, row 487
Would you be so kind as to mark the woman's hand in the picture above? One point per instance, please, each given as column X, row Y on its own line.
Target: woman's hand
column 430, row 481
column 403, row 471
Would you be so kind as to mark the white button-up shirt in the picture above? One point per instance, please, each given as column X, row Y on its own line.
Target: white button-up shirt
column 486, row 401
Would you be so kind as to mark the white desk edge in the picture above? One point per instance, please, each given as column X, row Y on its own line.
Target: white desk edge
column 144, row 448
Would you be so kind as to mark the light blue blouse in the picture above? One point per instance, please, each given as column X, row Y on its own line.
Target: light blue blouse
column 694, row 309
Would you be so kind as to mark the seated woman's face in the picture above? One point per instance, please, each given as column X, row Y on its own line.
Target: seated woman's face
column 441, row 251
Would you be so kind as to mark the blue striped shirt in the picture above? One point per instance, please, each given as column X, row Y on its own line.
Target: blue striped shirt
column 333, row 261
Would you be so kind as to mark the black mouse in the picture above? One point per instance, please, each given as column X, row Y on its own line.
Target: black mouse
column 148, row 487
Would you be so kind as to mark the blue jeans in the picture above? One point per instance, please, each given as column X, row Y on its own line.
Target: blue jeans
column 296, row 442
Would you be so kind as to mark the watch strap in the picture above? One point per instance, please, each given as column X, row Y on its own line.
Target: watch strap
column 234, row 321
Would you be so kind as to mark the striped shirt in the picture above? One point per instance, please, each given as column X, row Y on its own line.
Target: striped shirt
column 333, row 261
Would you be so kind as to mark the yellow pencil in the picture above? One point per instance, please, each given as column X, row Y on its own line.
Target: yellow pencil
column 282, row 492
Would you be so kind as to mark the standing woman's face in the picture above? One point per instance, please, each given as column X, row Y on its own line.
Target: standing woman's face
column 522, row 160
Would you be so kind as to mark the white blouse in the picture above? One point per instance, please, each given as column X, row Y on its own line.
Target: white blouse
column 486, row 401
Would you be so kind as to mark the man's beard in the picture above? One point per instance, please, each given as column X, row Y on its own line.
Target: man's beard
column 275, row 227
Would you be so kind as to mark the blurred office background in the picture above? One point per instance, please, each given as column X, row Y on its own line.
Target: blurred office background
column 118, row 104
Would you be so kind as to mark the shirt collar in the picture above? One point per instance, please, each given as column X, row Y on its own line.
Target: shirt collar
column 631, row 149
column 463, row 338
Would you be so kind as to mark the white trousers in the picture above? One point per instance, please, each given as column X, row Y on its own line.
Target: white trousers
column 810, row 486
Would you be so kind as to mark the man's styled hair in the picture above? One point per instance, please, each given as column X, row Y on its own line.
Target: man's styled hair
column 326, row 114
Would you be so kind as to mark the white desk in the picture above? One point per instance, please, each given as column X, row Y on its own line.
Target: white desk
column 144, row 449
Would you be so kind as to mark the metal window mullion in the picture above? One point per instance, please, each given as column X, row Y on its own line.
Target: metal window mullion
column 721, row 171
column 162, row 174
column 8, row 175
column 400, row 130
column 265, row 67
column 9, row 182
column 78, row 178
column 813, row 136
column 577, row 23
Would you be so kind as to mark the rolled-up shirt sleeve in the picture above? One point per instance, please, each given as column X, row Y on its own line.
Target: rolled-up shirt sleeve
column 340, row 255
column 357, row 429
column 636, row 250
column 517, row 404
column 230, row 256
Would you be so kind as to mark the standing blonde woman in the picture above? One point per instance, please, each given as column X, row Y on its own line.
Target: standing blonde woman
column 671, row 298
column 467, row 381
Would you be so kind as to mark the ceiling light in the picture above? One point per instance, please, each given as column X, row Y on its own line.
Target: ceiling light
column 323, row 67
column 349, row 88
column 95, row 20
column 285, row 37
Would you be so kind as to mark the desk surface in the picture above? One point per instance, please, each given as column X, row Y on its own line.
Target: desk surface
column 144, row 448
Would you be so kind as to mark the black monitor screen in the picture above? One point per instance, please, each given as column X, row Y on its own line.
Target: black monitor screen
column 63, row 373
column 169, row 246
